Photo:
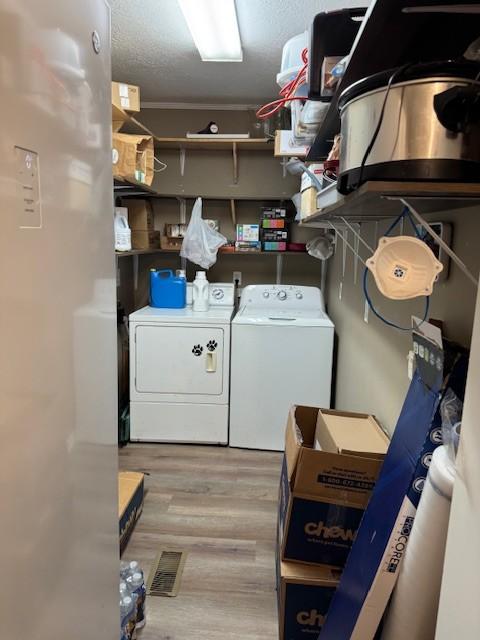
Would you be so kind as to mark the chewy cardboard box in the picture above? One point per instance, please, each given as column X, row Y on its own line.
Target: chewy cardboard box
column 126, row 96
column 323, row 494
column 130, row 503
column 304, row 593
column 140, row 215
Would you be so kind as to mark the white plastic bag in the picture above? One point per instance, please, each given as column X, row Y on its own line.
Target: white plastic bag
column 201, row 242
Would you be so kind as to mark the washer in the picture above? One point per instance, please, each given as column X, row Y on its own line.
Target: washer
column 180, row 371
column 282, row 349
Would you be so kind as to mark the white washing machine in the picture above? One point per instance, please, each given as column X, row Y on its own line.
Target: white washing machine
column 180, row 371
column 282, row 350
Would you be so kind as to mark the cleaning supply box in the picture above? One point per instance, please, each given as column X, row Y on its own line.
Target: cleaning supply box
column 323, row 493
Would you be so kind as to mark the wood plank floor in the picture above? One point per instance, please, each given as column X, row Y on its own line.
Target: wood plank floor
column 220, row 505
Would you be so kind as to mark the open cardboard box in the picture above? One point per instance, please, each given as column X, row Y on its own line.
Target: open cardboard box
column 323, row 494
column 130, row 503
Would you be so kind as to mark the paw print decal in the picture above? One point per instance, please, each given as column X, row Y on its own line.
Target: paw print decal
column 212, row 345
column 197, row 350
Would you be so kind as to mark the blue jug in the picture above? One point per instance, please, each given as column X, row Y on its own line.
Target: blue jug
column 166, row 290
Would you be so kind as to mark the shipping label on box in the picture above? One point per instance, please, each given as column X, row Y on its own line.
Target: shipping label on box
column 323, row 494
column 126, row 96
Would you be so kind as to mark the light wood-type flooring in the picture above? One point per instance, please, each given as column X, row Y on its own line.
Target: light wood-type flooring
column 220, row 505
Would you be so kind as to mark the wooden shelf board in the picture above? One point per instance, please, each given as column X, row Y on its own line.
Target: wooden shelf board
column 137, row 252
column 372, row 200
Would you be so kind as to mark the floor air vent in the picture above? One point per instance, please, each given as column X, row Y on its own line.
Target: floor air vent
column 166, row 573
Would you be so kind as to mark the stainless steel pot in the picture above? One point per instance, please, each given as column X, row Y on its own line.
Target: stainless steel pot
column 423, row 127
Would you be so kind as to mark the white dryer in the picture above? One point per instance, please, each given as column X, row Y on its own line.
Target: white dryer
column 180, row 371
column 282, row 350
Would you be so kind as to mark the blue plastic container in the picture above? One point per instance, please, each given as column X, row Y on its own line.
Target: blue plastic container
column 167, row 291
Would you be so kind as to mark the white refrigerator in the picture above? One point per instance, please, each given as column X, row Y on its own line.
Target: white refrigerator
column 58, row 467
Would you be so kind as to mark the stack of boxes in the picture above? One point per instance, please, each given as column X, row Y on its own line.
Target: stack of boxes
column 331, row 462
column 275, row 229
column 141, row 223
column 132, row 155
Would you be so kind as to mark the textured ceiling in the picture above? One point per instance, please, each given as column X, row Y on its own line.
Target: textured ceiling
column 152, row 48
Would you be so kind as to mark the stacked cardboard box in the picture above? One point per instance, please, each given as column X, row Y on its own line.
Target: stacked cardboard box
column 125, row 101
column 331, row 462
column 248, row 238
column 275, row 232
column 141, row 223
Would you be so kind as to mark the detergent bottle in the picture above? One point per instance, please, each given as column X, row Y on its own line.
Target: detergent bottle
column 200, row 292
column 123, row 235
column 166, row 290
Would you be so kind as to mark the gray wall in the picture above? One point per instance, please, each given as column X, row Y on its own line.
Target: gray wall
column 371, row 361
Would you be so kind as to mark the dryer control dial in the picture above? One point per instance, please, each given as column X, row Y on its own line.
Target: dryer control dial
column 282, row 295
column 266, row 294
column 299, row 295
column 218, row 293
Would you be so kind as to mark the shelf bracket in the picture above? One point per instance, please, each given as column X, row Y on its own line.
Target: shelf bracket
column 233, row 212
column 279, row 269
column 182, row 157
column 460, row 264
column 135, row 271
column 235, row 163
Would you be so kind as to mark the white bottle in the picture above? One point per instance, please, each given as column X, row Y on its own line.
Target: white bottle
column 123, row 235
column 200, row 292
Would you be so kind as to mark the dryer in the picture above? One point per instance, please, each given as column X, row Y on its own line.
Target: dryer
column 180, row 371
column 282, row 350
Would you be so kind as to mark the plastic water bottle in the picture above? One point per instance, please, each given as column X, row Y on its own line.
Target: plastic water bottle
column 127, row 622
column 136, row 584
column 124, row 570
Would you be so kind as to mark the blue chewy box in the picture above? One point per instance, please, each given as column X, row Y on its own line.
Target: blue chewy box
column 322, row 494
column 167, row 291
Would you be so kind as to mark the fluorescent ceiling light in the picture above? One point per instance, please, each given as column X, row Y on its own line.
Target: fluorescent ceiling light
column 214, row 28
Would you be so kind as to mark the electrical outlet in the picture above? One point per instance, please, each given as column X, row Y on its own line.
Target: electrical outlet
column 237, row 278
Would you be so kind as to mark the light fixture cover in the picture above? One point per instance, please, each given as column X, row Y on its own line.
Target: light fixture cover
column 404, row 267
column 214, row 28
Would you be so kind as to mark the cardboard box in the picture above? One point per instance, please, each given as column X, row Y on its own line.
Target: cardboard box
column 130, row 503
column 126, row 97
column 248, row 232
column 322, row 494
column 168, row 243
column 275, row 235
column 308, row 202
column 145, row 239
column 268, row 223
column 140, row 215
column 248, row 247
column 274, row 246
column 354, row 434
column 132, row 157
column 274, row 213
column 304, row 593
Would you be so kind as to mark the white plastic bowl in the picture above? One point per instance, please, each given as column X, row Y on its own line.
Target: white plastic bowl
column 404, row 267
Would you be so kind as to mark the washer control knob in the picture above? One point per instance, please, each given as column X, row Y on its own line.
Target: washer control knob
column 266, row 294
column 282, row 295
column 299, row 295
